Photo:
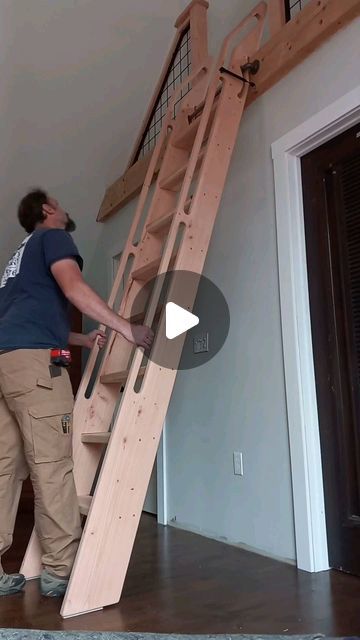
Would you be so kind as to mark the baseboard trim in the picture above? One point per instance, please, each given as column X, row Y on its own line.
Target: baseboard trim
column 240, row 545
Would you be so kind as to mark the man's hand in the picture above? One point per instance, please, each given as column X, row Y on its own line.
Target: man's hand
column 93, row 336
column 140, row 335
column 143, row 336
column 88, row 339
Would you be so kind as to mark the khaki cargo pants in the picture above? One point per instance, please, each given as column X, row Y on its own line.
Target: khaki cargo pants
column 36, row 405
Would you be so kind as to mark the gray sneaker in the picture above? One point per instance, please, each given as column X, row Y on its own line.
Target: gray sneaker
column 12, row 583
column 52, row 586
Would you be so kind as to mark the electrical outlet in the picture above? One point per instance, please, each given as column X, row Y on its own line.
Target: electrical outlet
column 201, row 343
column 238, row 463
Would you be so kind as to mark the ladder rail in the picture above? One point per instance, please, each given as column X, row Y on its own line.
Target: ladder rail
column 258, row 13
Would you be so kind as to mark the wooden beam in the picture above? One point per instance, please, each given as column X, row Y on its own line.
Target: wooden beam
column 308, row 30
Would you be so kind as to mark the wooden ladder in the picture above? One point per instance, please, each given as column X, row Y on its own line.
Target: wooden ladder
column 112, row 468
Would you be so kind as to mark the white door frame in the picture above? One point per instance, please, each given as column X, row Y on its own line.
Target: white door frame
column 162, row 510
column 308, row 494
column 161, row 478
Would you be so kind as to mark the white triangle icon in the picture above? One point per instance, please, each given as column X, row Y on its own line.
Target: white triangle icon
column 178, row 320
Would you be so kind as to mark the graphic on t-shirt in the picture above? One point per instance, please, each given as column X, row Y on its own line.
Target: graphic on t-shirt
column 13, row 266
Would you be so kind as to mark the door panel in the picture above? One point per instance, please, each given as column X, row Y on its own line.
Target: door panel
column 331, row 191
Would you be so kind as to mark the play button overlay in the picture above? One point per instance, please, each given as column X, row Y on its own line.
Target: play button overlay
column 178, row 320
column 191, row 319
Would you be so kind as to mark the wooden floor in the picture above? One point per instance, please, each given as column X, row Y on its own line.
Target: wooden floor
column 179, row 582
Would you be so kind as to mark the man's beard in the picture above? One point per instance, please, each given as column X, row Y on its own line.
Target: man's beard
column 70, row 225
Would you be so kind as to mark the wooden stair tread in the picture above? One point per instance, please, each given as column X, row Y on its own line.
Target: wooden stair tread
column 118, row 377
column 185, row 139
column 84, row 504
column 172, row 181
column 160, row 225
column 149, row 270
column 98, row 437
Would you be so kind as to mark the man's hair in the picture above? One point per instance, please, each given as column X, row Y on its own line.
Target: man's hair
column 30, row 209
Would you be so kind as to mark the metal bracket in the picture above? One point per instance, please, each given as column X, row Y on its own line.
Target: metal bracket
column 252, row 67
column 235, row 75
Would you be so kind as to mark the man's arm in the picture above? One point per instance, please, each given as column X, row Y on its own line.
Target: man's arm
column 68, row 276
column 76, row 339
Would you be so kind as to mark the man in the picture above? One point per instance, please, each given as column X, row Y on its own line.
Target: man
column 36, row 400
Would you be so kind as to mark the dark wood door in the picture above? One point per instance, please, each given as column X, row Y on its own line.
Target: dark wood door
column 331, row 191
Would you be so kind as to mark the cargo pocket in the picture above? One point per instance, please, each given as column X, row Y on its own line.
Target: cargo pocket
column 51, row 428
column 45, row 383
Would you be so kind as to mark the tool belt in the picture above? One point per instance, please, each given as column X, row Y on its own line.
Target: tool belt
column 59, row 357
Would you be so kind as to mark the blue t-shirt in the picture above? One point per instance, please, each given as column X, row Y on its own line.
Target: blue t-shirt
column 34, row 313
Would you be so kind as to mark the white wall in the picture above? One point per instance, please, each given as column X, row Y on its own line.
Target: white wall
column 70, row 109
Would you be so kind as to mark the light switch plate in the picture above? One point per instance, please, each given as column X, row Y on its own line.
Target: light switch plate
column 201, row 343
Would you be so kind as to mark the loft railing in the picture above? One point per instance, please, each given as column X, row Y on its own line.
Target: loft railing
column 292, row 7
column 295, row 29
